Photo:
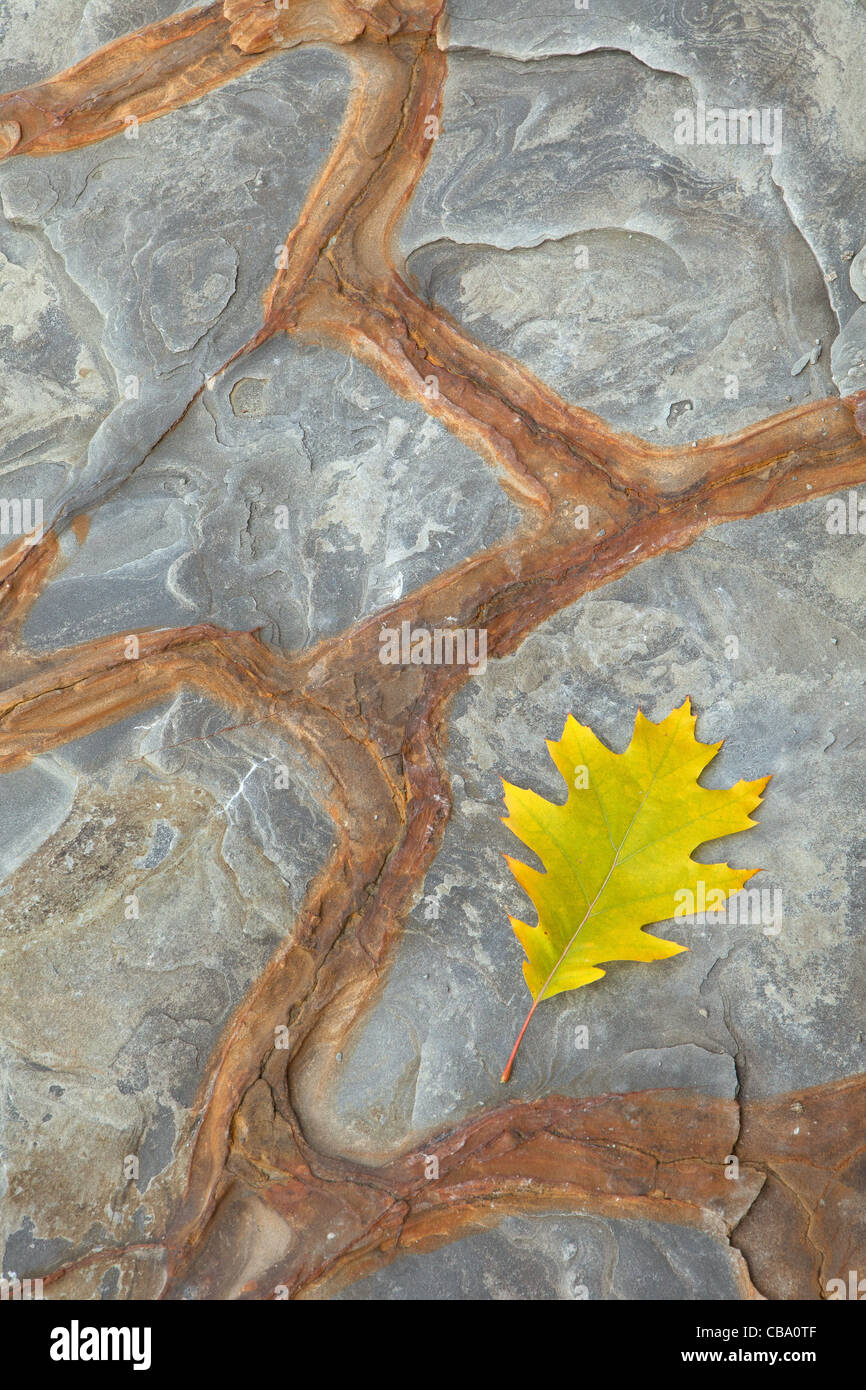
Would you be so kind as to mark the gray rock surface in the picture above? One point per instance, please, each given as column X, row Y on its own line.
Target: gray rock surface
column 774, row 1011
column 561, row 1258
column 562, row 224
column 160, row 869
column 378, row 497
column 601, row 277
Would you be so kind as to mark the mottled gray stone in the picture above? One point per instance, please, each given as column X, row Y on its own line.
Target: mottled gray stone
column 192, row 281
column 857, row 274
column 130, row 272
column 849, row 353
column 783, row 1007
column 561, row 1258
column 665, row 287
column 380, row 499
column 36, row 801
column 114, row 214
column 152, row 897
column 39, row 42
column 58, row 386
column 800, row 56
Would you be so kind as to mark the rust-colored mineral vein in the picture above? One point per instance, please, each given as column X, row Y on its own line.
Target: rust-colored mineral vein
column 306, row 1220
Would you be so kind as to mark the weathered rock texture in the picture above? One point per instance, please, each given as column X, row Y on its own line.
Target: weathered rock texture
column 350, row 334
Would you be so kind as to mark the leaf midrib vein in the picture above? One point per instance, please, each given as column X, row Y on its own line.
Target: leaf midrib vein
column 613, row 865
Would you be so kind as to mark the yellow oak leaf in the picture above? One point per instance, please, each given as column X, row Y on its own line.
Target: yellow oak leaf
column 617, row 852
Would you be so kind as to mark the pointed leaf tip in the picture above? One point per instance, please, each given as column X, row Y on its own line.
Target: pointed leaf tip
column 615, row 863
